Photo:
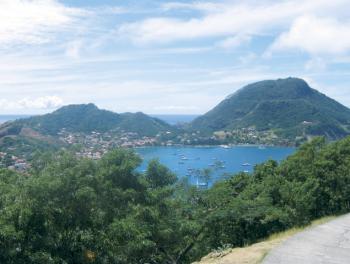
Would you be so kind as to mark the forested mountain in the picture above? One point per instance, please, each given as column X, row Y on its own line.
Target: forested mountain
column 86, row 118
column 273, row 112
column 289, row 107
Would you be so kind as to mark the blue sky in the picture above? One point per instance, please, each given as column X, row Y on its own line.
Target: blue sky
column 165, row 57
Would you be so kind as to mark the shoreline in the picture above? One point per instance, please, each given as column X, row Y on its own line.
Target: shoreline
column 216, row 146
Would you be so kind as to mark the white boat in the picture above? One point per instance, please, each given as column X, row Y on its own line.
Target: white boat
column 246, row 164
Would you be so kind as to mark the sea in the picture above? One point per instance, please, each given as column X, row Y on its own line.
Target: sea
column 6, row 118
column 222, row 161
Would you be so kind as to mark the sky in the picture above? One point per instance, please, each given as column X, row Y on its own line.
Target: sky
column 165, row 57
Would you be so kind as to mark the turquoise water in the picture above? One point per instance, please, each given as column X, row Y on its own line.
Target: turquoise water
column 184, row 161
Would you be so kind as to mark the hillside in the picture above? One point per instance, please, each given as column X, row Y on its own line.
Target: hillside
column 289, row 107
column 88, row 118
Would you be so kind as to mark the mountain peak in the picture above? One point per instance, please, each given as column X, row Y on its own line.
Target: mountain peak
column 85, row 118
column 77, row 107
column 281, row 106
column 291, row 88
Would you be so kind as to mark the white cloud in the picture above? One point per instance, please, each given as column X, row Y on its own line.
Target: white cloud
column 33, row 21
column 316, row 36
column 46, row 102
column 200, row 6
column 234, row 42
column 248, row 58
column 316, row 64
column 74, row 48
column 228, row 19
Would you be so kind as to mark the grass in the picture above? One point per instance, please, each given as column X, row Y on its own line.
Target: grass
column 255, row 253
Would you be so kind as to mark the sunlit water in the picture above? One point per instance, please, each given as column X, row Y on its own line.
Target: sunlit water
column 184, row 161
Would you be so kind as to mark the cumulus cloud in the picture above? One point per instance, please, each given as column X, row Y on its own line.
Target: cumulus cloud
column 234, row 42
column 33, row 21
column 44, row 103
column 315, row 35
column 227, row 19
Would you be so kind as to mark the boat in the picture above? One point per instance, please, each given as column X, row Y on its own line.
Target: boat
column 262, row 147
column 246, row 164
column 225, row 146
column 246, row 171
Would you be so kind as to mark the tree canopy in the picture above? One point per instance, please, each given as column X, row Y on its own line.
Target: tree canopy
column 70, row 210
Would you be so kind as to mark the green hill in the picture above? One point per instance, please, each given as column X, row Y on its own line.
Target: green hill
column 289, row 107
column 87, row 118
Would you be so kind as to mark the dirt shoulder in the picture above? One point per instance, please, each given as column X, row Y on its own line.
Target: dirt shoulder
column 255, row 253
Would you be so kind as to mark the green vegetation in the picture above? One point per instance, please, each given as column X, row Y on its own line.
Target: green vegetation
column 308, row 185
column 81, row 211
column 255, row 253
column 69, row 210
column 88, row 118
column 25, row 146
column 274, row 112
column 288, row 107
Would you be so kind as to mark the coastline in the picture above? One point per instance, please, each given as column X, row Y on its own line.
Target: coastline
column 216, row 146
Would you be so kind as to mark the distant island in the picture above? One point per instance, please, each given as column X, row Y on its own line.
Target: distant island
column 284, row 112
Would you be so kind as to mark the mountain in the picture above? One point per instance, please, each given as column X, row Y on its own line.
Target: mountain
column 87, row 118
column 289, row 107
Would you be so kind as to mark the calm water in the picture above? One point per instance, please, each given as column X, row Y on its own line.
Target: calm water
column 185, row 160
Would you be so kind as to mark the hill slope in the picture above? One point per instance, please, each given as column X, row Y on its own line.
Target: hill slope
column 287, row 106
column 87, row 118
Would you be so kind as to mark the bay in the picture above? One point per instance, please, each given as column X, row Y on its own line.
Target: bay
column 186, row 161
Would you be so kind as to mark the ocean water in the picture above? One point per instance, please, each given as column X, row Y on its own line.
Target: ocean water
column 5, row 118
column 184, row 161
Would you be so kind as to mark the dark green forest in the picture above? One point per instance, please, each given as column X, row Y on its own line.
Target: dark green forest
column 69, row 210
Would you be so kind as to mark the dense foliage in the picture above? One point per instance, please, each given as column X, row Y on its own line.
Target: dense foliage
column 310, row 184
column 81, row 211
column 69, row 210
column 281, row 105
column 26, row 146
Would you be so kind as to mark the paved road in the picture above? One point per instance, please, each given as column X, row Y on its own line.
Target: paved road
column 327, row 243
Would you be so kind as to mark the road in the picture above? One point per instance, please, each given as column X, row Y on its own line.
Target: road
column 325, row 244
